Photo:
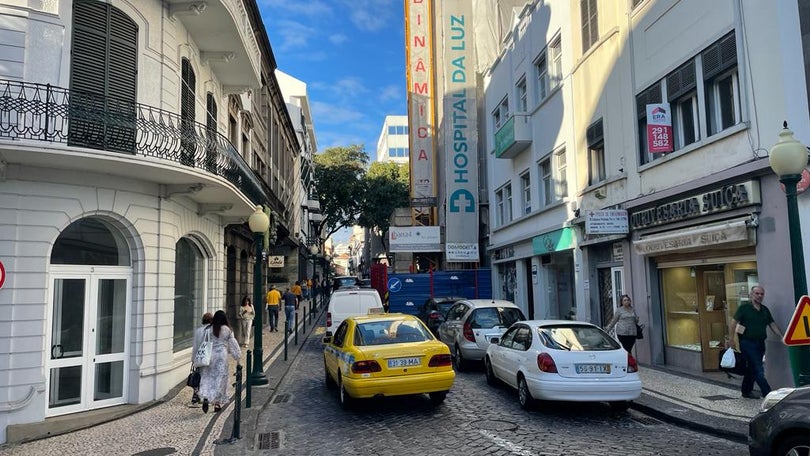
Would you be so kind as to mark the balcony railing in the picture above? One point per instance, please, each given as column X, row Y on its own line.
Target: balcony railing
column 42, row 112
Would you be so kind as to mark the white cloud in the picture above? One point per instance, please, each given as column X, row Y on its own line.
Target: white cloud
column 294, row 35
column 314, row 8
column 338, row 38
column 373, row 15
column 391, row 93
column 333, row 114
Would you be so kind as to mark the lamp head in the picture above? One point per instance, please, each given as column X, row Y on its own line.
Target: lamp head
column 258, row 221
column 787, row 156
column 313, row 249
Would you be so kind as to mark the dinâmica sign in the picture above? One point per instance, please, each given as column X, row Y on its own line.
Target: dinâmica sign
column 725, row 198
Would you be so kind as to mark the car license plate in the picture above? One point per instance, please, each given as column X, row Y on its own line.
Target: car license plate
column 404, row 362
column 375, row 310
column 593, row 368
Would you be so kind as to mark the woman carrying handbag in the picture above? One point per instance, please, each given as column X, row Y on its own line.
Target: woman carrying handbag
column 214, row 377
column 626, row 322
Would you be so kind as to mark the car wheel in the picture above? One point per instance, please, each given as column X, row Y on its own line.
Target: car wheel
column 794, row 445
column 459, row 364
column 437, row 398
column 343, row 396
column 492, row 380
column 620, row 406
column 524, row 396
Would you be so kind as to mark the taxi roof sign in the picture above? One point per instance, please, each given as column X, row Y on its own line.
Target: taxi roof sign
column 798, row 331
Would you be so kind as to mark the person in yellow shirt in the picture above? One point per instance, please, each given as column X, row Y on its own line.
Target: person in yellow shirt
column 273, row 300
column 296, row 290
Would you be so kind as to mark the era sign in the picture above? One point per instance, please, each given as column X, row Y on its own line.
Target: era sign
column 2, row 274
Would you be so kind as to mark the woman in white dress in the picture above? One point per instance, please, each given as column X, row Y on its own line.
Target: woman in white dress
column 245, row 315
column 214, row 378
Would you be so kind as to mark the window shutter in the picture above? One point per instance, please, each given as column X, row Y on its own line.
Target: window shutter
column 720, row 56
column 681, row 81
column 211, row 130
column 103, row 78
column 649, row 96
column 187, row 115
column 595, row 134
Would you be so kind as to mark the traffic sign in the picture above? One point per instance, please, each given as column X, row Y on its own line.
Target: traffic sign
column 798, row 332
column 2, row 274
column 394, row 285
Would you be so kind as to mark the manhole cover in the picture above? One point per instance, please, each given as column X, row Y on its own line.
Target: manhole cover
column 719, row 397
column 269, row 441
column 495, row 425
column 157, row 452
column 281, row 399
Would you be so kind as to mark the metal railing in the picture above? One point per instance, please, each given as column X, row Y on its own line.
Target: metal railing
column 42, row 112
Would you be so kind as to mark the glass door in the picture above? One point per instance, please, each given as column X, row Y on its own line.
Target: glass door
column 712, row 311
column 87, row 359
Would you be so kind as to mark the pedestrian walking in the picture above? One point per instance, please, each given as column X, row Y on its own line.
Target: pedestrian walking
column 273, row 300
column 198, row 337
column 750, row 325
column 214, row 378
column 245, row 316
column 296, row 290
column 290, row 304
column 625, row 321
column 305, row 289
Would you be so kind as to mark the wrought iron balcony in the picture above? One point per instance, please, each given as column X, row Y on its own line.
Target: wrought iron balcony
column 42, row 112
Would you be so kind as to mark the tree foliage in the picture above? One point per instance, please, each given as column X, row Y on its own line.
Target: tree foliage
column 339, row 181
column 386, row 188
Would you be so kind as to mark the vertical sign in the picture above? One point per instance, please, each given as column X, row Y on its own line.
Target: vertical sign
column 659, row 128
column 420, row 96
column 460, row 133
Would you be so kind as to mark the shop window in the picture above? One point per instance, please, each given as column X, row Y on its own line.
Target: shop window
column 188, row 292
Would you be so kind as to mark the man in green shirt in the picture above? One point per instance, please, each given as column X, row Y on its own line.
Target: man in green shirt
column 750, row 325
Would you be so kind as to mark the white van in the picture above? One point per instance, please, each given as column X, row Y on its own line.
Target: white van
column 351, row 302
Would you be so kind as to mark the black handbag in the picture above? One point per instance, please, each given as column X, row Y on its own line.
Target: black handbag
column 639, row 331
column 193, row 379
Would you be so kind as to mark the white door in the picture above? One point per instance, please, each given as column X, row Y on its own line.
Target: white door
column 89, row 335
column 617, row 282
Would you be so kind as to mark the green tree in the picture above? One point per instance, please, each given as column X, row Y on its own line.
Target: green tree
column 386, row 188
column 339, row 181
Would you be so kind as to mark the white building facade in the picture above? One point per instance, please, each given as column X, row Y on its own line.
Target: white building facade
column 392, row 146
column 704, row 220
column 126, row 153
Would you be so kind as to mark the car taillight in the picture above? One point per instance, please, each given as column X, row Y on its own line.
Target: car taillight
column 440, row 360
column 468, row 334
column 328, row 319
column 365, row 367
column 632, row 365
column 546, row 363
column 434, row 316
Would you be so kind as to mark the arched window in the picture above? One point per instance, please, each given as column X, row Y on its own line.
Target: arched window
column 188, row 291
column 90, row 241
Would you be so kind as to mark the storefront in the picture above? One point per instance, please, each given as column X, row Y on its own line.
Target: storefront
column 555, row 251
column 700, row 256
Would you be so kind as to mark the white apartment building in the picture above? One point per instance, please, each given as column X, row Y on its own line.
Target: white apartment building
column 136, row 137
column 697, row 225
column 392, row 146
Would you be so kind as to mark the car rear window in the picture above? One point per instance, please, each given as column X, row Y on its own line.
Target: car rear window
column 389, row 332
column 576, row 338
column 488, row 317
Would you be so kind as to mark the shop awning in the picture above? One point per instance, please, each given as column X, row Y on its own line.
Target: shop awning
column 728, row 234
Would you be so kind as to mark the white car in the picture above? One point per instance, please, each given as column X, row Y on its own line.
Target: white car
column 562, row 360
column 351, row 302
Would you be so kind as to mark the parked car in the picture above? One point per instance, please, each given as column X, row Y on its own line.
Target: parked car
column 386, row 355
column 365, row 283
column 782, row 427
column 345, row 281
column 351, row 302
column 471, row 324
column 563, row 360
column 434, row 309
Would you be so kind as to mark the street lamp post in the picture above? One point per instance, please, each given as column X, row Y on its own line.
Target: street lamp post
column 788, row 158
column 258, row 222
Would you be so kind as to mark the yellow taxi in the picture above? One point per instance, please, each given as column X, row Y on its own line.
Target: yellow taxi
column 386, row 355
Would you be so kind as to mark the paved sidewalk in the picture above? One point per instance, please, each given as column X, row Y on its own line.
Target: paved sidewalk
column 710, row 404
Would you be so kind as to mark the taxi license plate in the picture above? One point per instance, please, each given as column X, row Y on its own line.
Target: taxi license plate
column 593, row 368
column 403, row 362
column 375, row 310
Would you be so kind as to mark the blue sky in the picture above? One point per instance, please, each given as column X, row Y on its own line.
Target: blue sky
column 351, row 54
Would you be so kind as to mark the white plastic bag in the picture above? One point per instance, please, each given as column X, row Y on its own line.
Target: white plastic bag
column 728, row 360
column 203, row 355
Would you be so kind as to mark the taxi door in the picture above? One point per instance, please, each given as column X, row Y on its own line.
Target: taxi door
column 333, row 351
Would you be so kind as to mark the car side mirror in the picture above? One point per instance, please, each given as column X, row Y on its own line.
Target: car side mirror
column 494, row 340
column 327, row 339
